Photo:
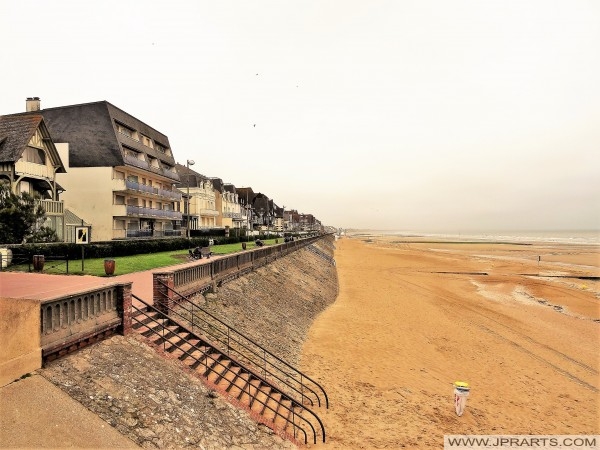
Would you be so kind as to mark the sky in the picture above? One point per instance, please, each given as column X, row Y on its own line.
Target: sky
column 415, row 115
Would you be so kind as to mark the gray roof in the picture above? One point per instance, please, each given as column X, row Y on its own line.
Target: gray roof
column 217, row 184
column 229, row 188
column 90, row 129
column 189, row 176
column 246, row 195
column 16, row 131
column 73, row 219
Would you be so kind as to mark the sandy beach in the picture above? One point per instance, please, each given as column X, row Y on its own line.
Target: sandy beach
column 519, row 323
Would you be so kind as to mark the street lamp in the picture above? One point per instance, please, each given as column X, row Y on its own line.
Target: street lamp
column 190, row 162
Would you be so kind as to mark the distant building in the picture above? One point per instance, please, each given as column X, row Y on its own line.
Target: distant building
column 203, row 212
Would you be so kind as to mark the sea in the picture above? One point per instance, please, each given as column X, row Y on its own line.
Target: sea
column 575, row 237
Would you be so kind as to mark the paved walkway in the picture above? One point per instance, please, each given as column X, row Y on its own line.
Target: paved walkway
column 34, row 413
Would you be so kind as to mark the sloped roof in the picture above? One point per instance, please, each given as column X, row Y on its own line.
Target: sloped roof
column 261, row 202
column 245, row 194
column 189, row 176
column 217, row 184
column 73, row 219
column 91, row 132
column 16, row 131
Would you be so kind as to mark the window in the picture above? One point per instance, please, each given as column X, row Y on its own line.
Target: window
column 133, row 178
column 119, row 175
column 119, row 199
column 34, row 155
column 147, row 141
column 123, row 129
column 133, row 154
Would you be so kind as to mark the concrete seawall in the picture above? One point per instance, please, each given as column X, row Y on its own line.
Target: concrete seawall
column 150, row 400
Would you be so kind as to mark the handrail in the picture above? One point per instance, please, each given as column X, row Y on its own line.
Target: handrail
column 254, row 398
column 227, row 348
column 264, row 351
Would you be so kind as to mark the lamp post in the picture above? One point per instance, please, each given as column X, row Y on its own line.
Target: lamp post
column 190, row 162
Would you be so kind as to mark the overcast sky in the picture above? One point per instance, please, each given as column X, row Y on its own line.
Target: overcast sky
column 416, row 115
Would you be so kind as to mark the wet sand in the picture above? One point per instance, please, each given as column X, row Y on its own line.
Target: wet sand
column 413, row 317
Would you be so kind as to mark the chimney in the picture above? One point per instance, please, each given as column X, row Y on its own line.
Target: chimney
column 32, row 104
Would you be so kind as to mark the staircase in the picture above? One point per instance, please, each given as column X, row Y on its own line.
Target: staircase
column 317, row 251
column 228, row 374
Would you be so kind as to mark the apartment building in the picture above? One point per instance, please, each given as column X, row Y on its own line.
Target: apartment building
column 30, row 162
column 121, row 173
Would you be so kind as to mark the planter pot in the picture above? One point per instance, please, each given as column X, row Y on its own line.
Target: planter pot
column 38, row 262
column 109, row 266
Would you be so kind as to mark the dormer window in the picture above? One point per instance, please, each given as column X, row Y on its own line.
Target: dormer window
column 154, row 163
column 130, row 132
column 133, row 154
column 147, row 141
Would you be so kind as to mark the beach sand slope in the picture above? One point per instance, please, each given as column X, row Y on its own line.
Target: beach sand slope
column 519, row 323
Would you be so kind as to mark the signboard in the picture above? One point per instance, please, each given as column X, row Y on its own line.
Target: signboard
column 82, row 235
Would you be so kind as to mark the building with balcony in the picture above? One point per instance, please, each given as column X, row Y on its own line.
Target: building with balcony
column 30, row 162
column 228, row 205
column 202, row 201
column 121, row 173
column 233, row 206
column 262, row 207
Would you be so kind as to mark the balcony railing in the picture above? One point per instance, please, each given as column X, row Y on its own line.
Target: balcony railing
column 135, row 186
column 208, row 212
column 152, row 212
column 171, row 195
column 52, row 207
column 164, row 193
column 136, row 162
column 33, row 169
column 124, row 234
column 139, row 233
column 233, row 215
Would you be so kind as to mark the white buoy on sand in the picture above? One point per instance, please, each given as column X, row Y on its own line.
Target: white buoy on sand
column 461, row 392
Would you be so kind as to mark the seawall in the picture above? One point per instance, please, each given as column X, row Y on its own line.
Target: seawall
column 150, row 399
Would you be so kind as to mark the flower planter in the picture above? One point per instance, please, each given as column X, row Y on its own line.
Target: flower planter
column 109, row 266
column 38, row 262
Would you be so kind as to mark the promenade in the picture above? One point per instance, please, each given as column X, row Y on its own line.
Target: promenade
column 34, row 413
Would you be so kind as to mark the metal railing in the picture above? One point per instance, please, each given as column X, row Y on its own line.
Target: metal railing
column 246, row 349
column 300, row 418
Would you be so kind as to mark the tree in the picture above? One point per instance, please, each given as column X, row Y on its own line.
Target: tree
column 21, row 218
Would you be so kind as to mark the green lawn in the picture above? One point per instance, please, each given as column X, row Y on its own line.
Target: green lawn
column 129, row 264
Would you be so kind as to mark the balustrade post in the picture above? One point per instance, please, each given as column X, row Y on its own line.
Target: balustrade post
column 163, row 297
column 124, row 307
